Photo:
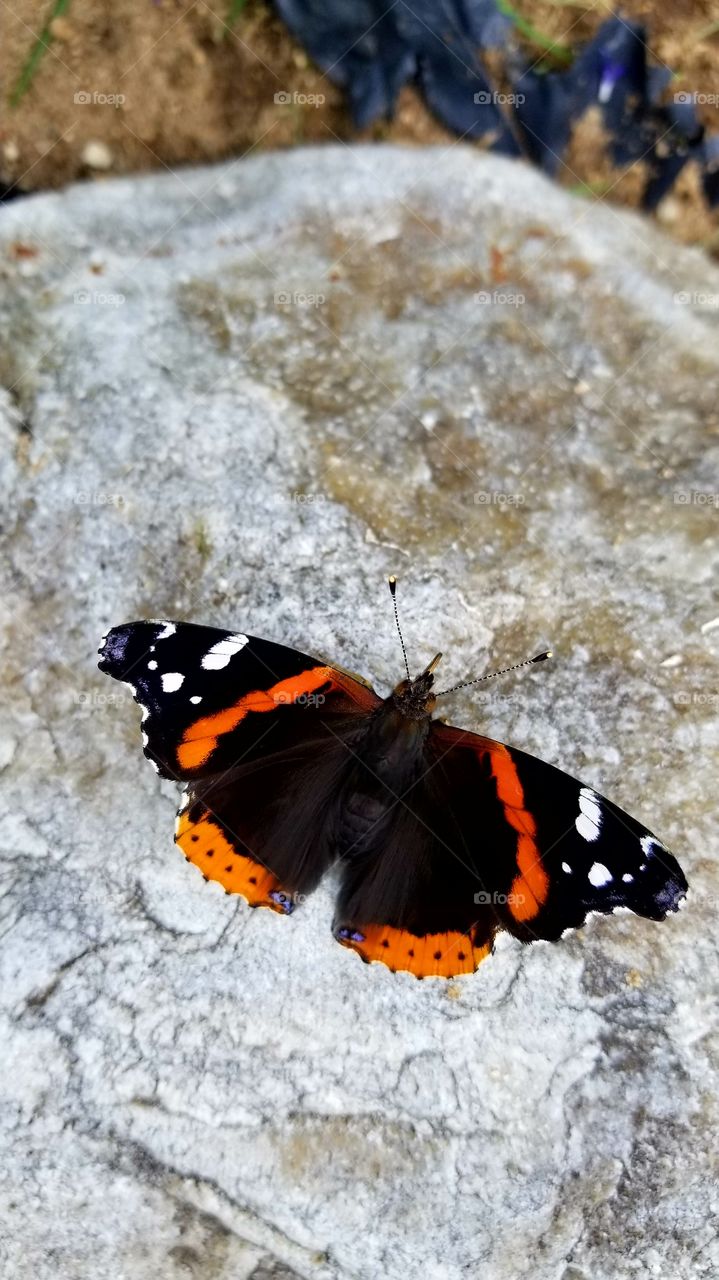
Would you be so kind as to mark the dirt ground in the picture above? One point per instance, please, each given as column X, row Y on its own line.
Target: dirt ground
column 133, row 85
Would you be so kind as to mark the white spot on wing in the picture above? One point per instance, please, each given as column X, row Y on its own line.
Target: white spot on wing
column 627, row 878
column 171, row 681
column 599, row 875
column 168, row 629
column 587, row 829
column 589, row 804
column 219, row 655
column 196, row 698
column 589, row 819
column 152, row 665
column 566, row 867
column 649, row 844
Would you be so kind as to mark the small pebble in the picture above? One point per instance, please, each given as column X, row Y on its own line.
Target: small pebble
column 96, row 155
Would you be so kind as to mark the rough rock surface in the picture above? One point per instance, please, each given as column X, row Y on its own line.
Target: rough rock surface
column 243, row 396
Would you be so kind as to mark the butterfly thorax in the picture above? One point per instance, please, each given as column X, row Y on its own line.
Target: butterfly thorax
column 394, row 745
column 387, row 764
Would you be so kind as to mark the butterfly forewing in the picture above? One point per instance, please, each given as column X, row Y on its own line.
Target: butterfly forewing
column 256, row 730
column 210, row 698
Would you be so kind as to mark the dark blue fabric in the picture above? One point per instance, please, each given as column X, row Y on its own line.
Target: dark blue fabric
column 710, row 169
column 357, row 44
column 371, row 48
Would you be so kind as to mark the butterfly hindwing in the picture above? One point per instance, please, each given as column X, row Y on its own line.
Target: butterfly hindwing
column 268, row 827
column 412, row 892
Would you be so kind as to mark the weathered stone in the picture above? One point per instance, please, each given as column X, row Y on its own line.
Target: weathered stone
column 242, row 396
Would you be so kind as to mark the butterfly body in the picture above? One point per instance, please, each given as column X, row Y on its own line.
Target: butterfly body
column 441, row 837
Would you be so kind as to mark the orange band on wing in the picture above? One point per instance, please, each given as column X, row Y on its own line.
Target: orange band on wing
column 200, row 738
column 530, row 886
column 204, row 843
column 440, row 955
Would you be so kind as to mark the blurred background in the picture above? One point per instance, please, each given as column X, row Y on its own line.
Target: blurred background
column 95, row 89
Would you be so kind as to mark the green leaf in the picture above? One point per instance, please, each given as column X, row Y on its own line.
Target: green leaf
column 37, row 53
column 236, row 7
column 562, row 52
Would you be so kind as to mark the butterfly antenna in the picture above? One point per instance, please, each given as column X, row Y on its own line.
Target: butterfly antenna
column 392, row 590
column 539, row 657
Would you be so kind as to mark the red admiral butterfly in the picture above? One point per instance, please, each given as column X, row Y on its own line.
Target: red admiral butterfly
column 442, row 837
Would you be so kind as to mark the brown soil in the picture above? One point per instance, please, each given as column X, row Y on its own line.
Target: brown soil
column 169, row 84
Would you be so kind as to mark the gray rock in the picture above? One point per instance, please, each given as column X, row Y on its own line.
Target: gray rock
column 242, row 396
